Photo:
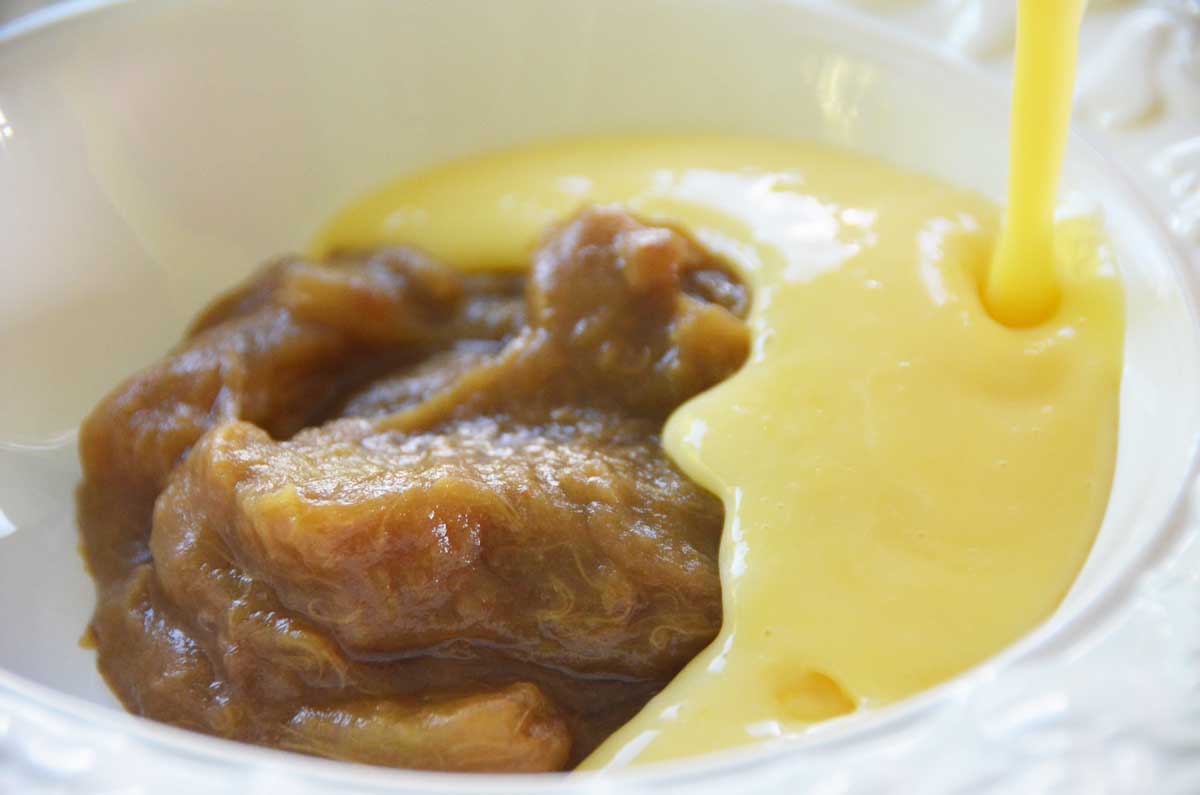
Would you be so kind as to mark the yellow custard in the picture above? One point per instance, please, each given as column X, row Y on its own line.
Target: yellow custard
column 1021, row 287
column 909, row 485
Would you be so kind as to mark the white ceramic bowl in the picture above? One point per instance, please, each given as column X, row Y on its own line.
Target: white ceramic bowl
column 152, row 153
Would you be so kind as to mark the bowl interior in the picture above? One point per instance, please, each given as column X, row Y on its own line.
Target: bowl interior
column 152, row 153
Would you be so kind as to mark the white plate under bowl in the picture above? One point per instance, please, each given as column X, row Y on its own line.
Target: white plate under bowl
column 152, row 153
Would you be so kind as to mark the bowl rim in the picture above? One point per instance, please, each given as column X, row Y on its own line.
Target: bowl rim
column 916, row 56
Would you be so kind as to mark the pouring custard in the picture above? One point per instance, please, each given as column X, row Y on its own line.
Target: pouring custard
column 609, row 451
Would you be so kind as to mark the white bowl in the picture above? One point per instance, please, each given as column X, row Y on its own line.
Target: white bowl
column 155, row 152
